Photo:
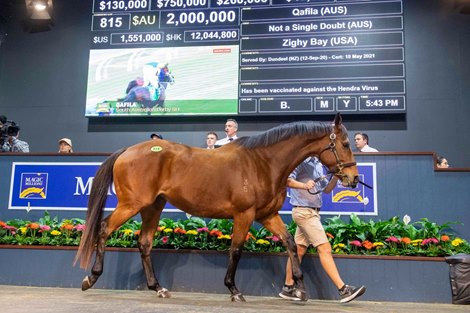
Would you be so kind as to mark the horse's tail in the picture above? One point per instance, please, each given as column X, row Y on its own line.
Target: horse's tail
column 96, row 202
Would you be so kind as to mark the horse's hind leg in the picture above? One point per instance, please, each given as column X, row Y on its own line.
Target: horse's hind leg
column 97, row 268
column 150, row 217
column 276, row 226
column 241, row 225
column 108, row 225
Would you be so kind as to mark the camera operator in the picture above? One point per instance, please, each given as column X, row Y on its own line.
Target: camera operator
column 9, row 133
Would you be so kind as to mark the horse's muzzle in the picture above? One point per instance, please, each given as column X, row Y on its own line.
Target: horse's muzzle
column 355, row 181
column 350, row 183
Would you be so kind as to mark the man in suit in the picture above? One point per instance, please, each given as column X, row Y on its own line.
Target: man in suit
column 231, row 128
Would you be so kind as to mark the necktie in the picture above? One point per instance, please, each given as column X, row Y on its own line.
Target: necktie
column 230, row 139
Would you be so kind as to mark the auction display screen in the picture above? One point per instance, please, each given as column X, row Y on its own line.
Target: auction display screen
column 245, row 57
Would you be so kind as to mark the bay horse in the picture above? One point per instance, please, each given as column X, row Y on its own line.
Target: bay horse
column 244, row 180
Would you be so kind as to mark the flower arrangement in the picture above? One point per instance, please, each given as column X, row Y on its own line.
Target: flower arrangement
column 393, row 237
column 390, row 237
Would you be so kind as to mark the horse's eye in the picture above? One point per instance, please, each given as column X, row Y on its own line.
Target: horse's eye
column 346, row 145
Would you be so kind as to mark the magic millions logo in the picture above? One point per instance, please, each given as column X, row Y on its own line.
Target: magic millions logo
column 347, row 195
column 33, row 186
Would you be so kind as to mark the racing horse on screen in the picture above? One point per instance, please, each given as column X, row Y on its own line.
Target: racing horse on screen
column 150, row 90
column 244, row 180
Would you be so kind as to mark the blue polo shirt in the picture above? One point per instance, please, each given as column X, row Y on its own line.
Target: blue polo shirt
column 309, row 169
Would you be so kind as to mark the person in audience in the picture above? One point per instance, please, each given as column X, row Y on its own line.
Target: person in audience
column 13, row 144
column 9, row 141
column 65, row 145
column 3, row 120
column 231, row 129
column 211, row 139
column 361, row 140
column 156, row 136
column 442, row 162
column 306, row 213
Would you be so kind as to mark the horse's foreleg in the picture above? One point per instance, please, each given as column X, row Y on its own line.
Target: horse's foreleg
column 291, row 248
column 234, row 258
column 150, row 218
column 108, row 225
column 276, row 226
column 241, row 225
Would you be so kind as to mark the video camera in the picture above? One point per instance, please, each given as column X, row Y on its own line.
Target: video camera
column 8, row 129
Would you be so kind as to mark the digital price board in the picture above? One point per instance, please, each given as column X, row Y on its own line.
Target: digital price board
column 246, row 57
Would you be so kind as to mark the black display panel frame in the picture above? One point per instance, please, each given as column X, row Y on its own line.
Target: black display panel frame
column 246, row 58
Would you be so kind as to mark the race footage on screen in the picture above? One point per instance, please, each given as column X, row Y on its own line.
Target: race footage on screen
column 163, row 81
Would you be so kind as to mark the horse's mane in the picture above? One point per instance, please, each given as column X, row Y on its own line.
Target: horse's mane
column 285, row 131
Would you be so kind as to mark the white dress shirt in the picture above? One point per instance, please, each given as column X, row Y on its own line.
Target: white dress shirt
column 225, row 140
column 367, row 148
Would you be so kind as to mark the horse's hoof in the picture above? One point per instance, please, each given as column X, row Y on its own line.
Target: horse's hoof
column 237, row 298
column 301, row 294
column 86, row 284
column 163, row 293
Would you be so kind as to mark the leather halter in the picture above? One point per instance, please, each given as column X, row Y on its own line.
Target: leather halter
column 338, row 168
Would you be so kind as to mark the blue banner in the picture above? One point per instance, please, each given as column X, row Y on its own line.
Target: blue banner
column 53, row 186
column 66, row 186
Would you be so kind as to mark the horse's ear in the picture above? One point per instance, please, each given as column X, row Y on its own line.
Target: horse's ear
column 338, row 119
